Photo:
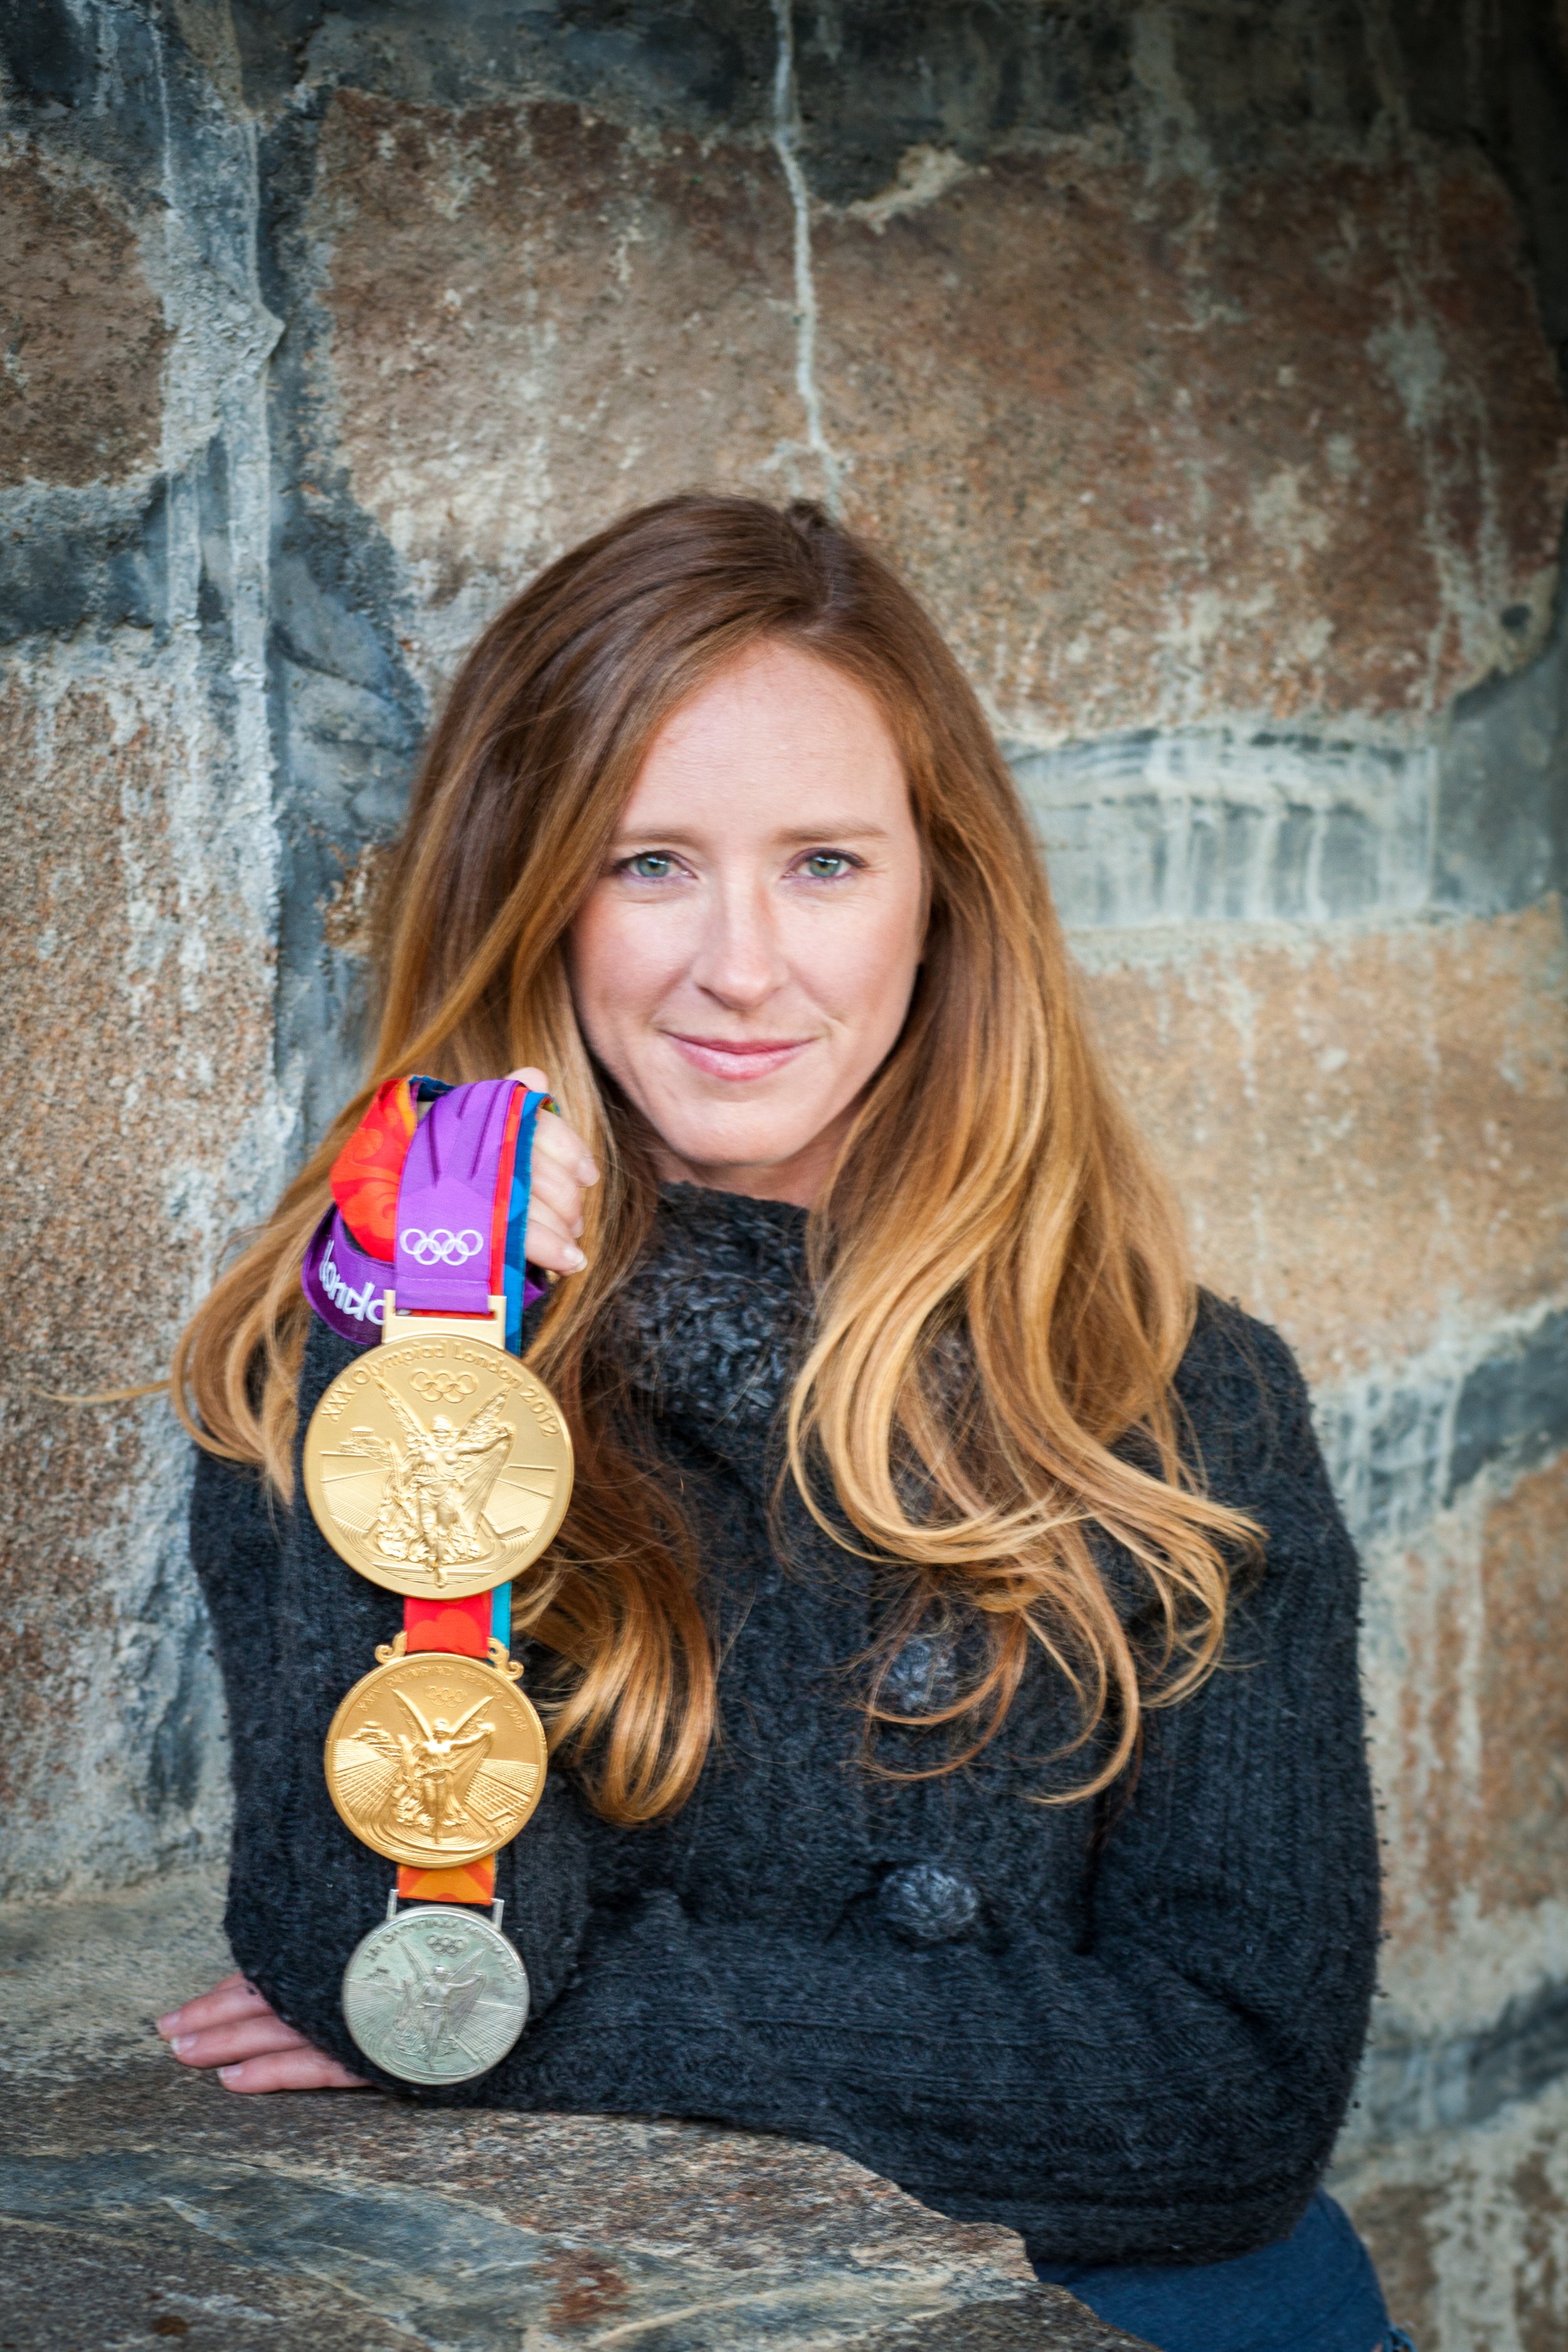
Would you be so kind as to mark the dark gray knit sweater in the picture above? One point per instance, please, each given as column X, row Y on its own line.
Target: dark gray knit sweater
column 1126, row 2029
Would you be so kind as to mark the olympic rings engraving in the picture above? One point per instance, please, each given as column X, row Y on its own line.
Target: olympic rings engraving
column 440, row 1247
column 447, row 1388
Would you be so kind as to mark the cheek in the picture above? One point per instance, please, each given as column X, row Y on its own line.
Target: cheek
column 863, row 971
column 620, row 964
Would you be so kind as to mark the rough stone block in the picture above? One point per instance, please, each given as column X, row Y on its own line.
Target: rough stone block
column 1469, row 1677
column 1155, row 453
column 1368, row 1129
column 582, row 320
column 133, row 964
column 1157, row 449
column 1469, row 2229
column 83, row 334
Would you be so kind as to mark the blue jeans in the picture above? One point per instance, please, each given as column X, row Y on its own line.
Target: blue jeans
column 1315, row 2290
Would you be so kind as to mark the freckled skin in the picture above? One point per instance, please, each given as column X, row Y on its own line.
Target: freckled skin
column 743, row 965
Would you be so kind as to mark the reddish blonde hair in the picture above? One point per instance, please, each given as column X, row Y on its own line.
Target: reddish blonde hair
column 991, row 1192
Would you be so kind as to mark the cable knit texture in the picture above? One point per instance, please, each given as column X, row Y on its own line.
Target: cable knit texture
column 1127, row 2028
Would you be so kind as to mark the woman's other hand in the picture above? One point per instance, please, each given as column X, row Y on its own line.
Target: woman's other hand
column 233, row 2028
column 562, row 1172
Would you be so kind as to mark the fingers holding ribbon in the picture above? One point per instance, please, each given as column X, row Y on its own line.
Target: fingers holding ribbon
column 563, row 1169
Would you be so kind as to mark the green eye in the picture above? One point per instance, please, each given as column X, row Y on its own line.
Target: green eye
column 826, row 864
column 650, row 865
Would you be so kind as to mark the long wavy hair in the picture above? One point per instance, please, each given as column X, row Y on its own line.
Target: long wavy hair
column 1002, row 1292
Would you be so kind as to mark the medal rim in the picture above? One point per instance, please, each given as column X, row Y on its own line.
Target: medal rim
column 469, row 1918
column 420, row 1584
column 424, row 1857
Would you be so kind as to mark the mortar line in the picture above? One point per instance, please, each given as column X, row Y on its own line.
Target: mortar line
column 784, row 140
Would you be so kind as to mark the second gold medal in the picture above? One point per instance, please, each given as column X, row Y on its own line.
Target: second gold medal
column 436, row 1759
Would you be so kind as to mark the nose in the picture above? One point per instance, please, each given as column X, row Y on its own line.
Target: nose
column 739, row 960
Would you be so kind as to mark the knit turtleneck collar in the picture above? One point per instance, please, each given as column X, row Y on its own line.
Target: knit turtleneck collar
column 709, row 1320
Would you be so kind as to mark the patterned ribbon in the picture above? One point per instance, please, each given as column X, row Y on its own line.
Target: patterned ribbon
column 436, row 1211
column 452, row 1189
column 345, row 1273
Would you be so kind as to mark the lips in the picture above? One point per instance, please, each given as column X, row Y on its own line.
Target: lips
column 739, row 1060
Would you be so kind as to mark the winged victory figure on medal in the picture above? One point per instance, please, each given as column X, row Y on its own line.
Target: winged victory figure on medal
column 437, row 2003
column 438, row 1481
column 432, row 1782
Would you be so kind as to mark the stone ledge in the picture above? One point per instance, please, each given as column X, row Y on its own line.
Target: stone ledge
column 142, row 2201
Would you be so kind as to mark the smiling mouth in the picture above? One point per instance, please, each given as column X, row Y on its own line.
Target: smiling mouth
column 738, row 1058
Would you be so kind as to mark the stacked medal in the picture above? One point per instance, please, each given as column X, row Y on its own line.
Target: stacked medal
column 438, row 1467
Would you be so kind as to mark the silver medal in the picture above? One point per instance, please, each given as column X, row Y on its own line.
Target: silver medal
column 435, row 1995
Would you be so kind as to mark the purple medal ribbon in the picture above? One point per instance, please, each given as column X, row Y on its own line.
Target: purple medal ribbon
column 446, row 1211
column 345, row 1286
column 447, row 1202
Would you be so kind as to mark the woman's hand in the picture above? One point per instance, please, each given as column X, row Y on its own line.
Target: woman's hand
column 562, row 1172
column 233, row 2028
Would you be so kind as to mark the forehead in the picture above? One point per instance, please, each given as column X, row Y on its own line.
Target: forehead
column 777, row 733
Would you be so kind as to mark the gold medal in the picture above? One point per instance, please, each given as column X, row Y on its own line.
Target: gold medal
column 437, row 1467
column 436, row 1759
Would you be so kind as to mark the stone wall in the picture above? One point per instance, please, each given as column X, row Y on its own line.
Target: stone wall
column 1199, row 362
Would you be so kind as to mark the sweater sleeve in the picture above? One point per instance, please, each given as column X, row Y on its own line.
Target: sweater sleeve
column 1165, row 2087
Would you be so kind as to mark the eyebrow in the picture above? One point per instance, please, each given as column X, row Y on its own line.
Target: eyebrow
column 682, row 837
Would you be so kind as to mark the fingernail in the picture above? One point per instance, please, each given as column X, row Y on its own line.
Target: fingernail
column 586, row 1172
column 166, row 2025
column 231, row 2073
column 183, row 2044
column 575, row 1259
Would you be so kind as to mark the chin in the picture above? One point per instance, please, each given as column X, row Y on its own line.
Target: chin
column 738, row 1140
column 717, row 1155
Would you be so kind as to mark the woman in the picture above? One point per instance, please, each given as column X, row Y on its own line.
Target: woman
column 950, row 1650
